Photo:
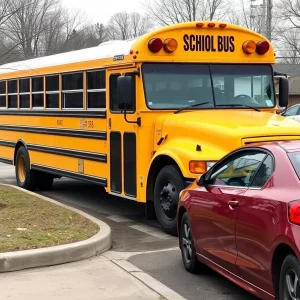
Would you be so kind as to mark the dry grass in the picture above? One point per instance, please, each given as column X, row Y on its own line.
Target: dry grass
column 27, row 222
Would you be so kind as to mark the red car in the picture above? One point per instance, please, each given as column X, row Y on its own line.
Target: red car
column 242, row 219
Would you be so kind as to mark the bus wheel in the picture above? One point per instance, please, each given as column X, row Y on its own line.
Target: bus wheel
column 168, row 185
column 44, row 181
column 26, row 178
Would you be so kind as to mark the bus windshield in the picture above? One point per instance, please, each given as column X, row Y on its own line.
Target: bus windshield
column 176, row 85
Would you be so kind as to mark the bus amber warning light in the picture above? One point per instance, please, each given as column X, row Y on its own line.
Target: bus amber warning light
column 156, row 44
column 261, row 47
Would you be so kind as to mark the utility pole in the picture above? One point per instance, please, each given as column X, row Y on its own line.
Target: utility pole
column 263, row 23
column 269, row 19
column 261, row 16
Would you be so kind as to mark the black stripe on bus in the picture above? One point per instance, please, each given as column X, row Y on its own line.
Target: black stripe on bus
column 101, row 135
column 129, row 162
column 100, row 157
column 6, row 161
column 62, row 173
column 116, row 161
column 61, row 113
column 7, row 144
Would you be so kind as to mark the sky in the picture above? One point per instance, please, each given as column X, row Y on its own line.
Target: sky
column 101, row 10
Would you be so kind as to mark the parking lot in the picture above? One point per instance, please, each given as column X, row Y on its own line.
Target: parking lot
column 160, row 256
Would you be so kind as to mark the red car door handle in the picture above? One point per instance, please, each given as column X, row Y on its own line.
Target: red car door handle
column 233, row 204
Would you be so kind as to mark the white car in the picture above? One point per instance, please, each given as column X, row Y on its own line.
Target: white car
column 292, row 112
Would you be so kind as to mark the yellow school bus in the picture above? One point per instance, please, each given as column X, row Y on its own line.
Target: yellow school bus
column 142, row 117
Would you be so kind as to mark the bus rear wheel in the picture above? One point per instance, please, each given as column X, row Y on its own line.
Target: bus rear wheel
column 168, row 185
column 26, row 178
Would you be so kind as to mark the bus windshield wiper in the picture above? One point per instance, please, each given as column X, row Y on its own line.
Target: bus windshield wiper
column 190, row 106
column 236, row 105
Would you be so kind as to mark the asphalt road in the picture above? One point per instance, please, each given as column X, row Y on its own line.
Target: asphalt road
column 132, row 233
column 167, row 268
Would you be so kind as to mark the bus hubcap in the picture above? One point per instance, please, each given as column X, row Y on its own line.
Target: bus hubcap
column 168, row 199
column 21, row 169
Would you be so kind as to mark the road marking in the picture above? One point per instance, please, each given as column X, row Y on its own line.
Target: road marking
column 117, row 255
column 152, row 231
column 148, row 280
column 118, row 218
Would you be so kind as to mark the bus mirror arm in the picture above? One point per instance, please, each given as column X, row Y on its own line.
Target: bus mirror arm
column 124, row 107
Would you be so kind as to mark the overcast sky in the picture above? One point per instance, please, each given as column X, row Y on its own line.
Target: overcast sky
column 101, row 10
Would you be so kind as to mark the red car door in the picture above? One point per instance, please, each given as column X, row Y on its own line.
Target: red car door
column 214, row 224
column 255, row 228
column 216, row 208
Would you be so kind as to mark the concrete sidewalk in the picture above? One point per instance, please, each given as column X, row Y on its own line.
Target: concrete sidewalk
column 101, row 277
column 96, row 278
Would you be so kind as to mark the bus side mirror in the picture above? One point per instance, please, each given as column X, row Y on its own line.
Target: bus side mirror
column 125, row 96
column 283, row 91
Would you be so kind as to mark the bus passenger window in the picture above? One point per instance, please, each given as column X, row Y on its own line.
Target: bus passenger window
column 38, row 92
column 72, row 93
column 96, row 88
column 12, row 94
column 2, row 94
column 52, row 91
column 24, row 91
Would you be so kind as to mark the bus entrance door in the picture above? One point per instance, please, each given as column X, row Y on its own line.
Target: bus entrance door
column 122, row 139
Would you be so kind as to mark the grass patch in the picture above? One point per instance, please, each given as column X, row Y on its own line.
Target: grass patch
column 27, row 222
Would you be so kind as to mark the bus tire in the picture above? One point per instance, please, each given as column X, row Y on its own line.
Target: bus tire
column 26, row 178
column 44, row 181
column 168, row 185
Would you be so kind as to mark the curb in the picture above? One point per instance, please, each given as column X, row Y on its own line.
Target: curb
column 49, row 256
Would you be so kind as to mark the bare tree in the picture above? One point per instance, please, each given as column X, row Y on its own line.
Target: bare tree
column 100, row 33
column 7, row 11
column 26, row 26
column 167, row 12
column 118, row 26
column 290, row 11
column 42, row 27
column 289, row 46
column 288, row 30
column 124, row 25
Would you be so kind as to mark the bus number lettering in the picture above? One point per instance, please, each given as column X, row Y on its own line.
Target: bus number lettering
column 90, row 124
column 60, row 122
column 208, row 43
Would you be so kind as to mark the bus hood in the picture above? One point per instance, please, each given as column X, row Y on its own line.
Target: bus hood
column 223, row 130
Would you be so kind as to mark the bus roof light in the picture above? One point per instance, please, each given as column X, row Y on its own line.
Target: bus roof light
column 211, row 24
column 199, row 24
column 155, row 45
column 249, row 46
column 262, row 47
column 222, row 25
column 170, row 45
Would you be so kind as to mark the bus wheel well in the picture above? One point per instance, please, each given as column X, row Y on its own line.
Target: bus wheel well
column 159, row 162
column 280, row 253
column 18, row 145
